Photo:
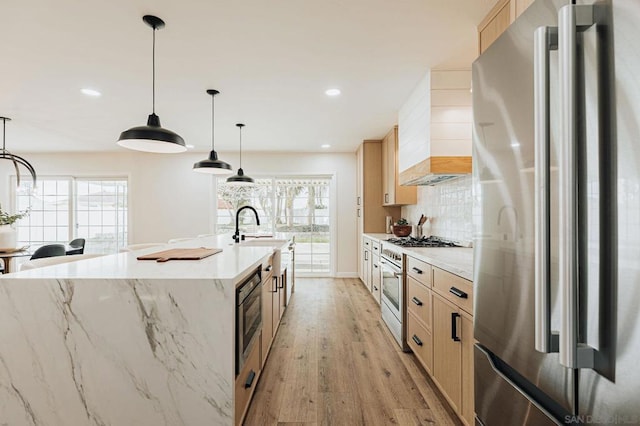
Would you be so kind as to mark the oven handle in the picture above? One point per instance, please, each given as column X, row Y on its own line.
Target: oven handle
column 397, row 272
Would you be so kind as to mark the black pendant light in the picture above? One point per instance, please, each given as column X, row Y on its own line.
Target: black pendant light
column 152, row 137
column 212, row 165
column 240, row 178
column 17, row 160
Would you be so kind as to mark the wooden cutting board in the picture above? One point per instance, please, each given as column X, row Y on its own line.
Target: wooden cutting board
column 181, row 254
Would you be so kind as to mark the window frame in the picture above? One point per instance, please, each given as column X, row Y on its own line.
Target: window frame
column 73, row 202
column 333, row 220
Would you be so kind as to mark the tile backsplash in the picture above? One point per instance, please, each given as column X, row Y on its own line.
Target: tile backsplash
column 450, row 204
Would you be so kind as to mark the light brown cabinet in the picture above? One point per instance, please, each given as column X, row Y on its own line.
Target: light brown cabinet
column 392, row 193
column 467, row 411
column 420, row 313
column 246, row 383
column 494, row 24
column 369, row 211
column 420, row 340
column 447, row 350
column 419, row 302
column 267, row 311
column 275, row 307
column 440, row 331
column 498, row 20
column 453, row 341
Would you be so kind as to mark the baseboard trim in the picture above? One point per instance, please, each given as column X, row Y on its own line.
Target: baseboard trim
column 346, row 275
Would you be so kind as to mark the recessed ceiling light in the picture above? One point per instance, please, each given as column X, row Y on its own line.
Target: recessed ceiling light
column 325, row 146
column 515, row 144
column 190, row 146
column 91, row 92
column 332, row 92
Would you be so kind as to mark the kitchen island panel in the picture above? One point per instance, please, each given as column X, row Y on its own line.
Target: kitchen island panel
column 117, row 351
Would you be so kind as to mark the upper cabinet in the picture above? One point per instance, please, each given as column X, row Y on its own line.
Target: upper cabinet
column 498, row 20
column 392, row 193
column 370, row 213
column 435, row 129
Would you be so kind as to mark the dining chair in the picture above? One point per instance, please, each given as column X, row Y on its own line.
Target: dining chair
column 76, row 246
column 49, row 250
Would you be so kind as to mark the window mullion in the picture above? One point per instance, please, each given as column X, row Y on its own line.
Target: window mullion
column 71, row 205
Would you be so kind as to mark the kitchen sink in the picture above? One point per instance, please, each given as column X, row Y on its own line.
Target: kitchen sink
column 264, row 242
column 277, row 245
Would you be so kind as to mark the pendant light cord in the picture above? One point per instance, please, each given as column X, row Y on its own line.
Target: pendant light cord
column 4, row 128
column 153, row 72
column 240, row 146
column 212, row 118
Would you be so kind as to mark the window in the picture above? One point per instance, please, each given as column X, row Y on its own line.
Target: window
column 295, row 206
column 64, row 208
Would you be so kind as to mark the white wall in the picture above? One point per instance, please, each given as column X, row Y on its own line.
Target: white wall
column 168, row 200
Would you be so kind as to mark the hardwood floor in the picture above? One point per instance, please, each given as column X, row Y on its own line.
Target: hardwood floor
column 333, row 362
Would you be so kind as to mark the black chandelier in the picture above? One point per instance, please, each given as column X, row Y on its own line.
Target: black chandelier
column 17, row 160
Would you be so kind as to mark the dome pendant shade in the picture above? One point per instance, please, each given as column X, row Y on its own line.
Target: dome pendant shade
column 152, row 138
column 240, row 179
column 212, row 165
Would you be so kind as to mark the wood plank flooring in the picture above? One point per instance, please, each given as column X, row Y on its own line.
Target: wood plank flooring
column 334, row 362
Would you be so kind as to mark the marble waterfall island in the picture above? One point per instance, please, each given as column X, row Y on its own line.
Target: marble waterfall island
column 117, row 341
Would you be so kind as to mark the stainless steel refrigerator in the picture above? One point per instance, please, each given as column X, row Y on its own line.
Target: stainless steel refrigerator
column 556, row 104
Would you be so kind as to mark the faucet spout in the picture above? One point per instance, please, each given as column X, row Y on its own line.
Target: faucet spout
column 236, row 235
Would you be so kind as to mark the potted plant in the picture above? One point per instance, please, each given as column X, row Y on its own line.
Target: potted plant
column 401, row 228
column 7, row 232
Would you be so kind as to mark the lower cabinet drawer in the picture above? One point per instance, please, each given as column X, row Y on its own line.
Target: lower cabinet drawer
column 246, row 382
column 420, row 342
column 419, row 301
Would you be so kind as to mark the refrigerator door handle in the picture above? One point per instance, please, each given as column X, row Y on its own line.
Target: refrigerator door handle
column 571, row 20
column 545, row 40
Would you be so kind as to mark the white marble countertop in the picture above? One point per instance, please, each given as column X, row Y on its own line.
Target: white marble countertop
column 457, row 260
column 117, row 341
column 227, row 265
column 378, row 236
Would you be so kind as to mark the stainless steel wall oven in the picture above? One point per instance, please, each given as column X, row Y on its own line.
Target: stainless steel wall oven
column 248, row 316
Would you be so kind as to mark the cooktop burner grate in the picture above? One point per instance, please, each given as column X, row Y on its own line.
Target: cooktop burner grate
column 422, row 242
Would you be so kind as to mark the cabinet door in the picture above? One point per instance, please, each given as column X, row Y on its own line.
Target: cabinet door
column 499, row 20
column 282, row 292
column 388, row 169
column 393, row 194
column 367, row 269
column 468, row 413
column 275, row 305
column 376, row 278
column 447, row 351
column 267, row 315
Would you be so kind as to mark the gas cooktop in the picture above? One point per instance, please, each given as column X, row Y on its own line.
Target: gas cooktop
column 422, row 242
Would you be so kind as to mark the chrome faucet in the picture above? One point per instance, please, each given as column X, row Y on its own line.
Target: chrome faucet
column 515, row 217
column 236, row 235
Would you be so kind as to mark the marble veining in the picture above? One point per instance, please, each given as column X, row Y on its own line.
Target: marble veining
column 120, row 351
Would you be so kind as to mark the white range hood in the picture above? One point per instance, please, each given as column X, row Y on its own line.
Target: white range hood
column 434, row 129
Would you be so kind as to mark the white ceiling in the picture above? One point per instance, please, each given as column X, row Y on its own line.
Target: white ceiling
column 271, row 61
